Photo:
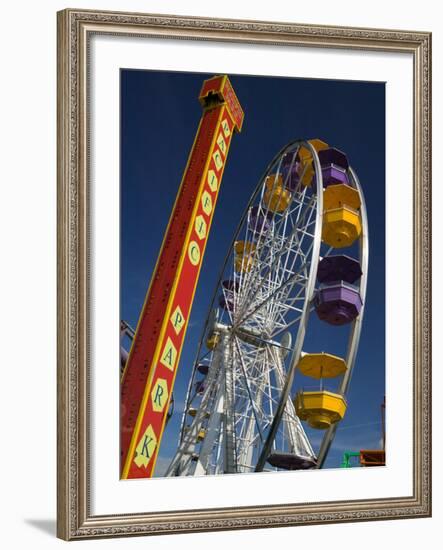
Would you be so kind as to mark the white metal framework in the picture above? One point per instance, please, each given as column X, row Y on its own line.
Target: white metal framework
column 239, row 410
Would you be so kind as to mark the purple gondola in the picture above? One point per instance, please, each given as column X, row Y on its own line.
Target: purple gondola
column 333, row 156
column 259, row 221
column 203, row 369
column 290, row 461
column 200, row 386
column 290, row 171
column 334, row 176
column 334, row 165
column 226, row 302
column 338, row 304
column 226, row 299
column 230, row 284
column 338, row 268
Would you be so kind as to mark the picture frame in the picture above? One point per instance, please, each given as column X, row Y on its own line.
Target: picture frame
column 76, row 28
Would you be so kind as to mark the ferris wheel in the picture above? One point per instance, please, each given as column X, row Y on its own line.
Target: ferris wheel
column 244, row 410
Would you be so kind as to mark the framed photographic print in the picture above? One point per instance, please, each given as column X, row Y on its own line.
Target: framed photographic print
column 244, row 274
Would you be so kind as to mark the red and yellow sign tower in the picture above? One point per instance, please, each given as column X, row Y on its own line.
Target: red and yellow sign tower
column 151, row 368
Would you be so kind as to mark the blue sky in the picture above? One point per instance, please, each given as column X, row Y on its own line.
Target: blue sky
column 159, row 117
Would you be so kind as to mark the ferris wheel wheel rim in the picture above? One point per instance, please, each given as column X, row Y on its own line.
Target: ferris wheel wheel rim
column 258, row 189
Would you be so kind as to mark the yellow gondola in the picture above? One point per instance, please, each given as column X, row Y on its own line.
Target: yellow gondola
column 321, row 365
column 336, row 196
column 277, row 198
column 243, row 264
column 201, row 435
column 320, row 409
column 305, row 167
column 243, row 260
column 193, row 412
column 341, row 226
column 212, row 341
column 244, row 247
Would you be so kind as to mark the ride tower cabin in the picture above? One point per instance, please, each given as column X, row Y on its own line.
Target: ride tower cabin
column 149, row 374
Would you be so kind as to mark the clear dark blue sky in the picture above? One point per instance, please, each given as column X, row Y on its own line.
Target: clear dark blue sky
column 159, row 117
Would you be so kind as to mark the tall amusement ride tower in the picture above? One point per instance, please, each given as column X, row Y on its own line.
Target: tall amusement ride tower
column 151, row 368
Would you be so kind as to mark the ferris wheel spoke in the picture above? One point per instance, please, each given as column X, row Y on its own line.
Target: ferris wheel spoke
column 291, row 278
column 287, row 326
column 263, row 259
column 270, row 297
column 304, row 265
column 246, row 382
column 286, row 246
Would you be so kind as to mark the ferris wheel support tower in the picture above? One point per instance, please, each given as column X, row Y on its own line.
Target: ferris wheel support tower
column 149, row 374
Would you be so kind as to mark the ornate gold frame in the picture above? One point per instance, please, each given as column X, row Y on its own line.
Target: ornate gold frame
column 75, row 28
